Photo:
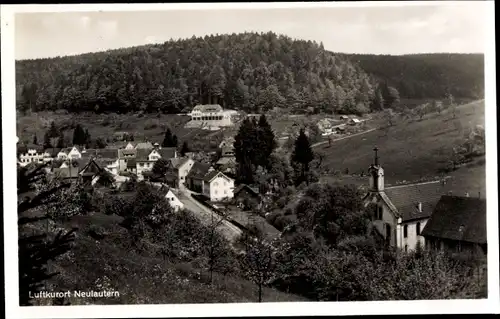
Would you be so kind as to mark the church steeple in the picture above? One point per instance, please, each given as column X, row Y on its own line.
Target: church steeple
column 376, row 173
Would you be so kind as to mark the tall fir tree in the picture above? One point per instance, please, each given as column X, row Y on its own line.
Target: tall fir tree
column 46, row 141
column 175, row 142
column 53, row 130
column 302, row 155
column 184, row 148
column 35, row 140
column 246, row 149
column 267, row 141
column 36, row 250
column 87, row 139
column 168, row 139
column 78, row 135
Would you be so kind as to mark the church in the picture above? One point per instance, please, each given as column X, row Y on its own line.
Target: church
column 401, row 211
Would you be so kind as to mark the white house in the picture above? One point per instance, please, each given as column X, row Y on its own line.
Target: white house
column 401, row 211
column 218, row 186
column 174, row 201
column 145, row 159
column 210, row 115
column 69, row 153
column 179, row 169
column 33, row 154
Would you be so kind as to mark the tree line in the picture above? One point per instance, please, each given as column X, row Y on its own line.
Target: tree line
column 253, row 72
column 427, row 76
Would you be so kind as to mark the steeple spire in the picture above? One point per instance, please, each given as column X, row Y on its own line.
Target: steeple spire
column 376, row 156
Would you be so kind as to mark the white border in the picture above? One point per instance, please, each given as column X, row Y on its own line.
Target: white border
column 490, row 305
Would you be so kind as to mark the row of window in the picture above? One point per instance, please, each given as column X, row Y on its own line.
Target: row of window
column 208, row 118
column 405, row 230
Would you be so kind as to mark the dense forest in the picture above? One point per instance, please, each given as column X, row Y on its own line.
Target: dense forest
column 249, row 71
column 427, row 76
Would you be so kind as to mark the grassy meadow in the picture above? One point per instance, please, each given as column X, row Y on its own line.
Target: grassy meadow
column 413, row 150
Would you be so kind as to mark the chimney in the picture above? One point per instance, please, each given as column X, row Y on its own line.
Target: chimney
column 450, row 193
column 376, row 156
column 478, row 194
column 466, row 194
column 420, row 207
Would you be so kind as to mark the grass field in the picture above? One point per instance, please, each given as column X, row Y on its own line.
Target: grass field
column 140, row 277
column 411, row 151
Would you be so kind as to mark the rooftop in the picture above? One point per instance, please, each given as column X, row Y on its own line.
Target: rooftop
column 207, row 108
column 458, row 218
column 407, row 197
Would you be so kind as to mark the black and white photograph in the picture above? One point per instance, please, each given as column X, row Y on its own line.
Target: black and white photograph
column 263, row 157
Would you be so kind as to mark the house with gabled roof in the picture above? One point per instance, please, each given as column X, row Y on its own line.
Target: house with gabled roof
column 144, row 145
column 178, row 170
column 401, row 211
column 90, row 171
column 69, row 153
column 457, row 224
column 194, row 179
column 217, row 186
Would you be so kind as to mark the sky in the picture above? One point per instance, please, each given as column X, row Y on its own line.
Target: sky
column 457, row 28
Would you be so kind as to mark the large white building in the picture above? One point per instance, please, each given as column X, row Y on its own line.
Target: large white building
column 211, row 116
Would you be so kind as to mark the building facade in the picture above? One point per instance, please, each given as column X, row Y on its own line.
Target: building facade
column 401, row 212
column 218, row 186
column 211, row 115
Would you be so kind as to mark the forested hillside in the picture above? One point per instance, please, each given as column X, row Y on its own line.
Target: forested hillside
column 427, row 76
column 249, row 71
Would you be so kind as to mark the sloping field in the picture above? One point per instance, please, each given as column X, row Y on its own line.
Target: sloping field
column 409, row 151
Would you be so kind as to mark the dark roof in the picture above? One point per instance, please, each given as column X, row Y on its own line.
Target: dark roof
column 142, row 154
column 131, row 163
column 198, row 171
column 210, row 175
column 167, row 152
column 122, row 152
column 406, row 198
column 67, row 172
column 451, row 213
column 107, row 153
column 176, row 162
column 246, row 187
column 91, row 169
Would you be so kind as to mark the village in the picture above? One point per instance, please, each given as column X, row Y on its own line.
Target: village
column 407, row 215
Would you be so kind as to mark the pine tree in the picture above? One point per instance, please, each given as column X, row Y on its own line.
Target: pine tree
column 35, row 140
column 265, row 137
column 35, row 251
column 184, row 148
column 87, row 138
column 60, row 142
column 168, row 139
column 78, row 135
column 246, row 150
column 46, row 141
column 53, row 130
column 302, row 154
column 175, row 142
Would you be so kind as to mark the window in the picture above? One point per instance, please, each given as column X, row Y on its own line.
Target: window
column 405, row 231
column 418, row 229
column 379, row 212
column 215, row 192
column 406, row 248
column 225, row 192
column 216, row 184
